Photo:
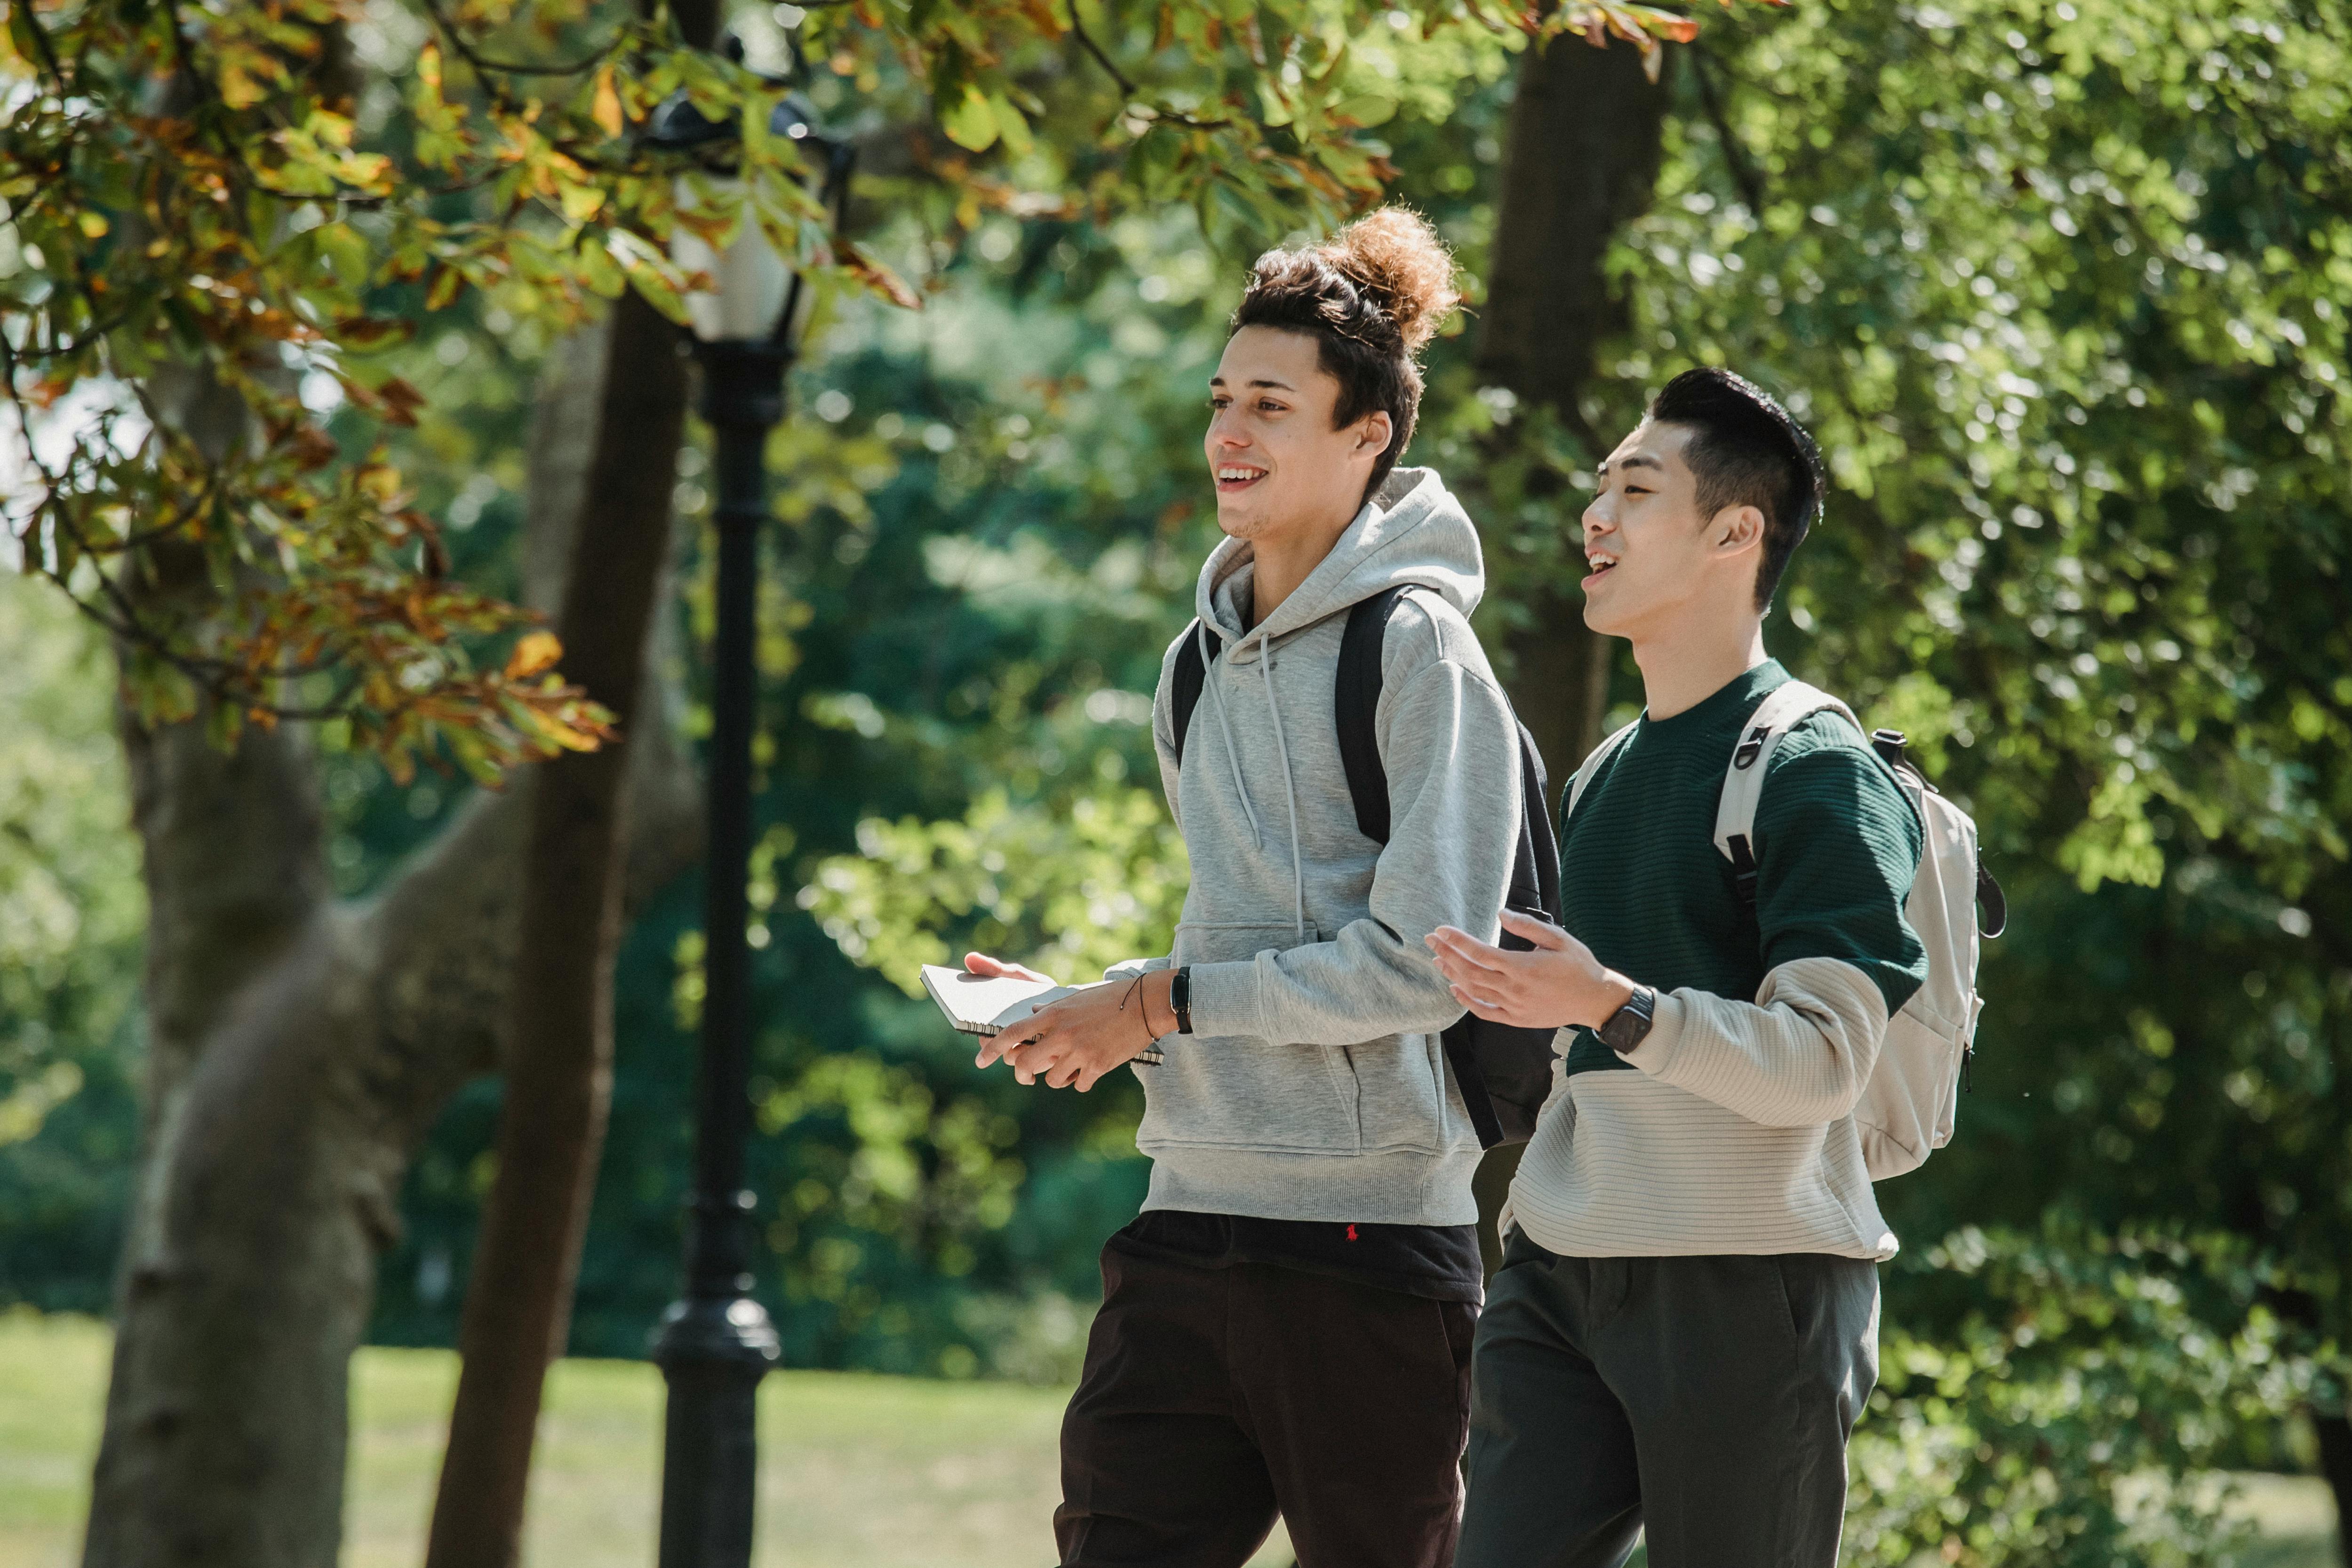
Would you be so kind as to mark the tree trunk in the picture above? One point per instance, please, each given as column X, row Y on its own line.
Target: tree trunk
column 2334, row 1430
column 1585, row 144
column 298, row 1049
column 558, row 1066
column 1582, row 159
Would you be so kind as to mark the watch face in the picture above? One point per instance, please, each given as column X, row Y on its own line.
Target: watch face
column 1628, row 1024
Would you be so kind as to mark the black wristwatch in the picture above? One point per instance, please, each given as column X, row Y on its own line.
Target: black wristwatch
column 1630, row 1025
column 1179, row 998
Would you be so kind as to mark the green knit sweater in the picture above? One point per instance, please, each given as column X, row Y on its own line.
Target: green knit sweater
column 1642, row 884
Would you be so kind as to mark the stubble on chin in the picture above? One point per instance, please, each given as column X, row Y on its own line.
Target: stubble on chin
column 1240, row 524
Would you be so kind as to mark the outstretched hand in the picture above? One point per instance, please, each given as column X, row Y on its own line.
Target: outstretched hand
column 1556, row 985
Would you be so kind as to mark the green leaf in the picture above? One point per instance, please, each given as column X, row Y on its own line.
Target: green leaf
column 651, row 273
column 1013, row 125
column 972, row 123
column 222, row 725
column 581, row 202
column 1366, row 110
column 601, row 271
column 346, row 250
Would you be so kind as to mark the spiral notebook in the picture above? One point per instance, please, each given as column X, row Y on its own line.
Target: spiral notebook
column 987, row 1005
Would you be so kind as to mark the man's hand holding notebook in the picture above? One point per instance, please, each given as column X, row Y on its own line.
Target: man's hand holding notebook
column 998, row 1001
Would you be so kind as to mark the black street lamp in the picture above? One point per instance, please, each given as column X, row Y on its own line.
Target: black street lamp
column 715, row 1344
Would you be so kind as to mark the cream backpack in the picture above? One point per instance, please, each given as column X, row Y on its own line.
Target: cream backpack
column 1906, row 1109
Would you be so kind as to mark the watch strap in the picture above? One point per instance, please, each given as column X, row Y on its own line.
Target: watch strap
column 1179, row 998
column 1630, row 1025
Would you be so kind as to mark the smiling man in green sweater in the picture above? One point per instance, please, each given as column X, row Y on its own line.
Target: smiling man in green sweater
column 1686, row 1323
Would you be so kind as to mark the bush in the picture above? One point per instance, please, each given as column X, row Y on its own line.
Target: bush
column 2074, row 1406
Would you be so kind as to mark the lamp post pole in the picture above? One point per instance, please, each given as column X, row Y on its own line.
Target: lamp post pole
column 716, row 1344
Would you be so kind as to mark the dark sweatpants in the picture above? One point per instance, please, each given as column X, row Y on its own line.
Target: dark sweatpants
column 1708, row 1399
column 1215, row 1397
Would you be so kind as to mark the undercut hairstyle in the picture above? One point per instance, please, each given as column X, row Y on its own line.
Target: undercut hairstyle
column 1371, row 296
column 1746, row 451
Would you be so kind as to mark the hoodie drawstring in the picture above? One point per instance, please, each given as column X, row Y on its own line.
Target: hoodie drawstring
column 1282, row 754
column 1290, row 792
column 1233, row 757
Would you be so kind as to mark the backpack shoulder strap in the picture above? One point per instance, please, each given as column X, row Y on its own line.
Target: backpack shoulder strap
column 1782, row 710
column 1583, row 777
column 1185, row 680
column 1539, row 846
column 1355, row 704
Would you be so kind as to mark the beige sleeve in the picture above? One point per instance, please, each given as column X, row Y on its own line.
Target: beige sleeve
column 1797, row 1056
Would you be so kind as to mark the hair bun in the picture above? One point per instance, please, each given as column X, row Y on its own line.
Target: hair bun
column 1396, row 258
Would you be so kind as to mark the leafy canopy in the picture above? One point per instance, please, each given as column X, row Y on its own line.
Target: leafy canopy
column 2062, row 287
column 217, row 219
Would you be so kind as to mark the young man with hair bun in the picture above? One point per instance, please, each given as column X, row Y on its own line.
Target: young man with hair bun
column 1685, row 1325
column 1285, row 1328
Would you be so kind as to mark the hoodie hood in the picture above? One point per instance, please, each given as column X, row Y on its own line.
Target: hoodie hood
column 1411, row 531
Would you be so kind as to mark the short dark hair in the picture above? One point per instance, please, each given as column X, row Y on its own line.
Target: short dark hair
column 1746, row 451
column 1369, row 296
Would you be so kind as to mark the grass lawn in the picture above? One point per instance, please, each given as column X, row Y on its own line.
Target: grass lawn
column 855, row 1471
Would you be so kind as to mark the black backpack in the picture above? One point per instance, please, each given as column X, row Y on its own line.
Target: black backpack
column 1503, row 1072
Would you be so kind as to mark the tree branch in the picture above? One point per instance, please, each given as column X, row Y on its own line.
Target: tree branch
column 46, row 48
column 1735, row 156
column 466, row 51
column 1128, row 89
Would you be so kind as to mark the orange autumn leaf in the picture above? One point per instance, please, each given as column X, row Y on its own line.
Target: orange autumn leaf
column 571, row 738
column 878, row 278
column 536, row 652
column 607, row 109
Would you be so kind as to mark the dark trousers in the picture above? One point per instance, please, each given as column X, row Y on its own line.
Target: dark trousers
column 1706, row 1399
column 1215, row 1398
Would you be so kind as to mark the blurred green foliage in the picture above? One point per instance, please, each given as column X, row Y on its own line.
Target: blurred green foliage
column 1070, row 892
column 2075, row 1413
column 71, row 914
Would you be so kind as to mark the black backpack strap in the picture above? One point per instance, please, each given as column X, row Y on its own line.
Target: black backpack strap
column 1538, row 847
column 1355, row 703
column 1743, row 870
column 1460, row 1042
column 1504, row 1074
column 1185, row 681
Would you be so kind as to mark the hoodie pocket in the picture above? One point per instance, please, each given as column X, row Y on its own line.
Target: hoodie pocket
column 1239, row 1090
column 1401, row 1101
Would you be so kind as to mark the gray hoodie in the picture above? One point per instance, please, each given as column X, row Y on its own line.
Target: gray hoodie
column 1314, row 1085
